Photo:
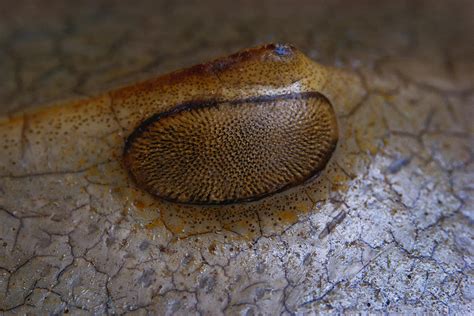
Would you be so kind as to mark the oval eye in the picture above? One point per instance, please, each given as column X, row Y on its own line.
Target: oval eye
column 227, row 152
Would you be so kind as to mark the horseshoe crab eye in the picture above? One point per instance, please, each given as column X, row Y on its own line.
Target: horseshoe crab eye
column 233, row 151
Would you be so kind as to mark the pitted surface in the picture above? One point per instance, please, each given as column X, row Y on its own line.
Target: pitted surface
column 234, row 151
column 390, row 226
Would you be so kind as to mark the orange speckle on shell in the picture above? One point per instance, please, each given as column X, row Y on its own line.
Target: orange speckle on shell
column 288, row 216
column 156, row 223
column 139, row 204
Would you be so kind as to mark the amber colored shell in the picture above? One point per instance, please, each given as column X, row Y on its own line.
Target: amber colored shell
column 227, row 151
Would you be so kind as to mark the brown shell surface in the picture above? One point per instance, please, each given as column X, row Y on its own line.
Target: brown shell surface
column 213, row 152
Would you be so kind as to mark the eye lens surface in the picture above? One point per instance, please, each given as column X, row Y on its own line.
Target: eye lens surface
column 228, row 152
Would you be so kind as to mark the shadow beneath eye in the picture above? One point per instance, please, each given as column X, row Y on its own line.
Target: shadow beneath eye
column 243, row 221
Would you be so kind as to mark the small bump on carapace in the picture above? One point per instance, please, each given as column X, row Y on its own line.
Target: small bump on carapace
column 209, row 152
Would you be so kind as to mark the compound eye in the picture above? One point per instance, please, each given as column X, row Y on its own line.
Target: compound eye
column 227, row 152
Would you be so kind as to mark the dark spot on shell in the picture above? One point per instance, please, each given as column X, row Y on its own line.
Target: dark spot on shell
column 209, row 152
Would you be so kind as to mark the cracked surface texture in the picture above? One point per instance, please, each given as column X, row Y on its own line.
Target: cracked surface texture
column 387, row 227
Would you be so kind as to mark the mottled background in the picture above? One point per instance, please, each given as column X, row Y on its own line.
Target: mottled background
column 398, row 238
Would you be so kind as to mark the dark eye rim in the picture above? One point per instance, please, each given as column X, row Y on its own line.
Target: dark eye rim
column 197, row 104
column 192, row 105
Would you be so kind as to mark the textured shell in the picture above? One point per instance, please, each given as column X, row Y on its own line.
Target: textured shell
column 219, row 151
